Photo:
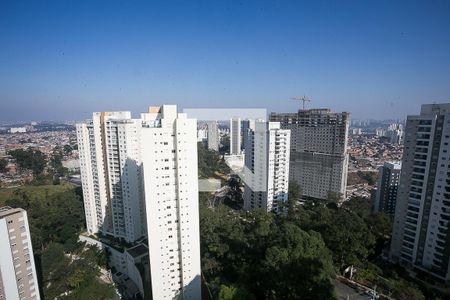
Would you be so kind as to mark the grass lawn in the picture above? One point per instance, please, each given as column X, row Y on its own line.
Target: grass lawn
column 34, row 191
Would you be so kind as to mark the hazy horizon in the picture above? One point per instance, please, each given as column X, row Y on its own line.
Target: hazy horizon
column 136, row 115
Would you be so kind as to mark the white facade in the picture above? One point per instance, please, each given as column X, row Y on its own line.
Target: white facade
column 110, row 164
column 213, row 136
column 380, row 132
column 356, row 131
column 235, row 136
column 266, row 172
column 2, row 150
column 395, row 133
column 140, row 178
column 169, row 154
column 18, row 129
column 395, row 136
column 202, row 134
column 18, row 278
column 421, row 235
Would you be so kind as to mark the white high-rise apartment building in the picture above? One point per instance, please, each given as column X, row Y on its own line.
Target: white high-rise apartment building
column 380, row 132
column 213, row 135
column 266, row 172
column 395, row 133
column 110, row 164
column 18, row 279
column 202, row 134
column 319, row 157
column 235, row 136
column 140, row 179
column 18, row 130
column 169, row 156
column 421, row 235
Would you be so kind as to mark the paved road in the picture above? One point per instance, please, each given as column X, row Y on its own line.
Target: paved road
column 345, row 292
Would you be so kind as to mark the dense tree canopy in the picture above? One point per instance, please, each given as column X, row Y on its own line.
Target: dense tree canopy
column 67, row 149
column 370, row 177
column 225, row 145
column 56, row 161
column 261, row 255
column 31, row 159
column 55, row 216
column 293, row 196
column 344, row 231
column 3, row 164
column 264, row 255
column 76, row 273
column 234, row 293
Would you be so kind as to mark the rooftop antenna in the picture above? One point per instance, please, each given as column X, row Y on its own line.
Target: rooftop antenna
column 303, row 98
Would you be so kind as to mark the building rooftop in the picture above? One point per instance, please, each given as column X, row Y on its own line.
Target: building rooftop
column 396, row 165
column 138, row 250
column 7, row 211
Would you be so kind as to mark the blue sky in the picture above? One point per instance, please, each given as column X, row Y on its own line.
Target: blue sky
column 376, row 59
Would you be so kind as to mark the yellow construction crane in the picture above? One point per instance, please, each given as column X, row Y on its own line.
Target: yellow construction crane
column 303, row 98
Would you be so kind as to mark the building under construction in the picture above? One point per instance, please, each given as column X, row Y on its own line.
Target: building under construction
column 319, row 158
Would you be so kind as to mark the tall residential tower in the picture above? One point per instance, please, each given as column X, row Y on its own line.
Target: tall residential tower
column 169, row 156
column 266, row 172
column 421, row 233
column 235, row 136
column 140, row 180
column 109, row 147
column 388, row 181
column 213, row 135
column 319, row 158
column 18, row 278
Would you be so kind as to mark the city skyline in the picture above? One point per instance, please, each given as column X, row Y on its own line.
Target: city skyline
column 224, row 150
column 63, row 61
column 161, row 244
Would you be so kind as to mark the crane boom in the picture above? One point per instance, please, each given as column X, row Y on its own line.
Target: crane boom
column 304, row 99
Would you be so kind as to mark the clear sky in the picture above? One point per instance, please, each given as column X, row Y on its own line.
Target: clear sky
column 376, row 59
